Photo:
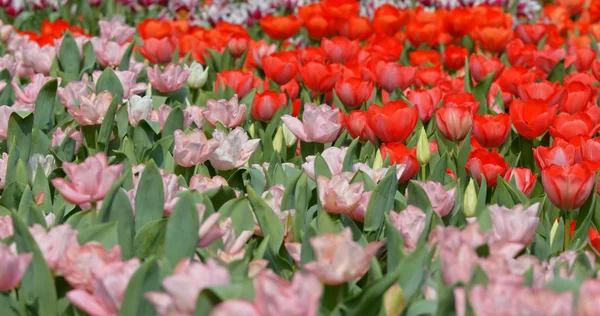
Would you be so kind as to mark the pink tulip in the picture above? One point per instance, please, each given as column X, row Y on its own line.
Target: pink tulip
column 173, row 78
column 192, row 148
column 58, row 136
column 3, row 165
column 208, row 232
column 233, row 247
column 5, row 113
column 13, row 267
column 257, row 267
column 79, row 262
column 202, row 184
column 320, row 123
column 235, row 149
column 410, row 223
column 377, row 175
column 442, row 201
column 128, row 81
column 161, row 115
column 116, row 30
column 108, row 53
column 39, row 59
column 339, row 258
column 514, row 226
column 275, row 296
column 108, row 290
column 273, row 197
column 92, row 108
column 72, row 91
column 262, row 50
column 90, row 180
column 358, row 214
column 589, row 292
column 54, row 243
column 193, row 114
column 170, row 189
column 6, row 226
column 183, row 287
column 29, row 94
column 230, row 113
column 294, row 249
column 333, row 156
column 8, row 62
column 235, row 307
column 338, row 195
column 79, row 41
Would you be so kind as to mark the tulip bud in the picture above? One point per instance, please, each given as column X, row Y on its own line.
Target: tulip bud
column 288, row 136
column 198, row 75
column 47, row 162
column 394, row 301
column 470, row 200
column 278, row 140
column 553, row 231
column 378, row 163
column 423, row 151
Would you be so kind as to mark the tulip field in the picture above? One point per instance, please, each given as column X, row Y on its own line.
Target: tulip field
column 299, row 157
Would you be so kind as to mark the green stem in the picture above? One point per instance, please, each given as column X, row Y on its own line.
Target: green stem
column 93, row 214
column 567, row 221
column 423, row 173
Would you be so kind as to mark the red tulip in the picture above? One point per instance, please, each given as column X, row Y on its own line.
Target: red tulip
column 280, row 27
column 491, row 131
column 584, row 58
column 596, row 69
column 391, row 76
column 280, row 67
column 547, row 59
column 340, row 49
column 430, row 76
column 532, row 118
column 358, row 127
column 568, row 186
column 266, row 104
column 553, row 93
column 399, row 154
column 591, row 149
column 486, row 164
column 392, row 122
column 454, row 57
column 568, row 126
column 578, row 96
column 237, row 45
column 454, row 122
column 531, row 33
column 241, row 82
column 480, row 67
column 318, row 77
column 426, row 101
column 524, row 178
column 292, row 88
column 388, row 19
column 461, row 99
column 158, row 51
column 353, row 92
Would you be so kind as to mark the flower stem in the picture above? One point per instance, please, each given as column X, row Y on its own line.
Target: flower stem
column 567, row 220
column 423, row 173
column 93, row 214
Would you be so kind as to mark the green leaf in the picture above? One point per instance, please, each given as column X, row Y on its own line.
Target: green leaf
column 44, row 106
column 558, row 73
column 124, row 65
column 37, row 287
column 109, row 81
column 145, row 279
column 89, row 58
column 480, row 92
column 173, row 122
column 267, row 220
column 395, row 244
column 206, row 302
column 106, row 129
column 182, row 230
column 416, row 196
column 118, row 209
column 68, row 55
column 19, row 132
column 150, row 203
column 381, row 201
column 150, row 239
column 105, row 233
column 350, row 153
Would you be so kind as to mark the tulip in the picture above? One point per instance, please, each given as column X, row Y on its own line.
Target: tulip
column 320, row 123
column 237, row 45
column 561, row 155
column 90, row 180
column 554, row 94
column 333, row 156
column 58, row 136
column 442, row 201
column 340, row 49
column 338, row 195
column 280, row 27
column 514, row 226
column 6, row 226
column 470, row 200
column 318, row 77
column 486, row 164
column 266, row 104
column 584, row 58
column 29, row 94
column 588, row 303
column 209, row 231
column 339, row 259
column 233, row 247
column 235, row 149
column 532, row 118
column 128, row 82
column 5, row 113
column 578, row 96
column 401, row 155
column 198, row 75
column 13, row 267
column 454, row 57
column 78, row 264
column 192, row 148
column 115, row 30
column 280, row 67
column 172, row 79
column 568, row 126
column 426, row 101
column 139, row 108
column 423, row 150
column 391, row 76
column 491, row 131
column 568, row 186
column 54, row 243
column 48, row 164
column 158, row 51
column 410, row 223
column 357, row 126
column 240, row 82
column 72, row 91
column 524, row 179
column 183, row 287
column 108, row 54
column 545, row 60
column 480, row 67
column 353, row 92
column 454, row 122
column 393, row 122
column 39, row 59
column 92, row 108
column 230, row 113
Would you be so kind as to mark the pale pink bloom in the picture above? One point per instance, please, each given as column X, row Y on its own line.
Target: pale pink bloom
column 377, row 175
column 338, row 195
column 273, row 197
column 340, row 259
column 202, row 184
column 513, row 226
column 442, row 201
column 29, row 94
column 208, row 232
column 234, row 150
column 8, row 62
column 5, row 113
column 139, row 108
column 294, row 249
column 6, row 32
column 136, row 66
column 37, row 58
column 3, row 165
column 58, row 136
column 12, row 267
column 193, row 114
column 116, row 30
column 54, row 243
column 233, row 247
column 108, row 289
column 230, row 113
column 79, row 41
column 69, row 95
column 108, row 53
column 275, row 296
column 320, row 123
column 183, row 287
column 333, row 156
column 90, row 180
column 589, row 298
column 173, row 78
column 92, row 108
column 544, row 302
column 78, row 263
column 50, row 218
column 6, row 226
column 263, row 50
column 410, row 223
column 161, row 115
column 236, row 307
column 192, row 148
column 128, row 81
column 358, row 214
column 170, row 189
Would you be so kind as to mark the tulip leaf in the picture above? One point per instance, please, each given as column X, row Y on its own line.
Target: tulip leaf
column 240, row 213
column 116, row 207
column 395, row 244
column 349, row 158
column 68, row 55
column 381, row 201
column 461, row 160
column 41, row 186
column 20, row 133
column 267, row 220
column 108, row 81
column 206, row 302
column 37, row 287
column 438, row 174
column 44, row 106
column 480, row 92
column 160, row 151
column 145, row 279
column 10, row 307
column 302, row 196
column 11, row 196
column 149, row 204
column 220, row 196
column 321, row 168
column 105, row 233
column 174, row 122
column 143, row 138
column 182, row 230
column 6, row 95
column 89, row 58
column 106, row 129
column 481, row 196
column 467, row 77
column 558, row 73
column 416, row 196
column 124, row 65
column 150, row 239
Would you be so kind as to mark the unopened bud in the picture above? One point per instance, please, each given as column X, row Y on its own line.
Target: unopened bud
column 470, row 200
column 423, row 151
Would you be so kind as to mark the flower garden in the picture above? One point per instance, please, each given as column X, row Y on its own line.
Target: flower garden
column 297, row 157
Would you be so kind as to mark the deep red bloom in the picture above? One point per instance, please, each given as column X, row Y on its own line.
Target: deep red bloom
column 388, row 19
column 569, row 186
column 318, row 77
column 568, row 126
column 424, row 58
column 454, row 57
column 390, row 76
column 399, row 154
column 353, row 92
column 578, row 96
column 458, row 22
column 158, row 51
column 356, row 28
column 532, row 118
column 461, row 99
column 480, row 67
column 392, row 122
column 524, row 178
column 358, row 127
column 281, row 67
column 454, row 122
column 519, row 54
column 584, row 57
column 553, row 93
column 280, row 27
column 531, row 33
column 238, row 44
column 491, row 131
column 426, row 101
column 486, row 164
column 241, row 82
column 266, row 104
column 340, row 49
